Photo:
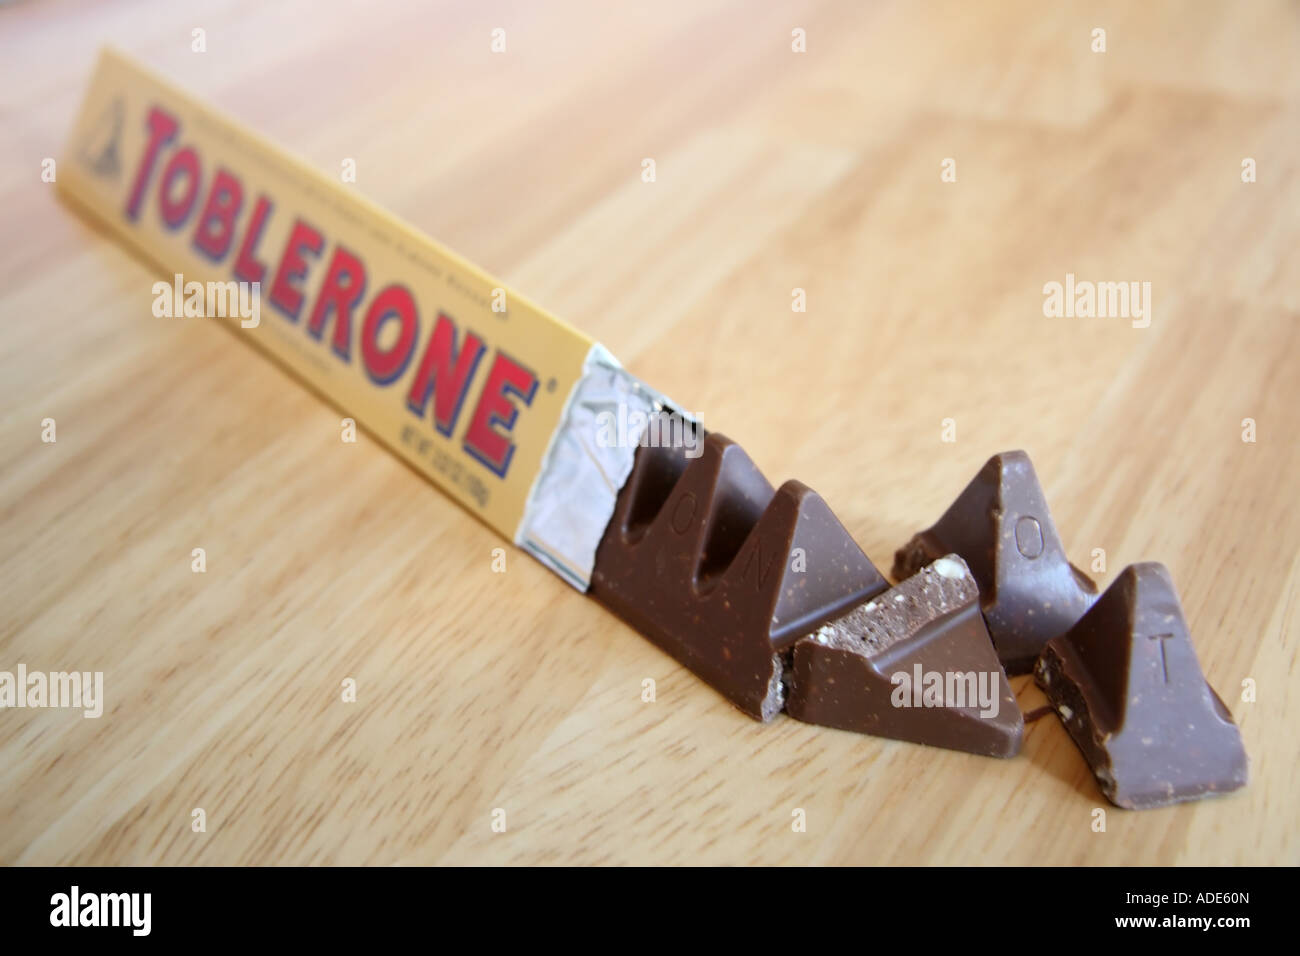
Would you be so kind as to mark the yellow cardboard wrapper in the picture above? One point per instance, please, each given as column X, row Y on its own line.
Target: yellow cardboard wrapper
column 491, row 397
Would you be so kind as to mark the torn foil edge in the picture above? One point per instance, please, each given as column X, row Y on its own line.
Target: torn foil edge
column 573, row 496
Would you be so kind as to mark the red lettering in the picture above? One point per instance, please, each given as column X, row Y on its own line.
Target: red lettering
column 446, row 369
column 385, row 366
column 162, row 127
column 285, row 296
column 246, row 265
column 175, row 210
column 224, row 200
column 345, row 281
column 482, row 440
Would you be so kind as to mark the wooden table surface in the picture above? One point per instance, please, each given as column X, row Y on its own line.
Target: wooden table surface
column 776, row 170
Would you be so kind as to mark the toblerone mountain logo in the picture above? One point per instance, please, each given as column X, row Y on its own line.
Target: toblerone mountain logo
column 462, row 378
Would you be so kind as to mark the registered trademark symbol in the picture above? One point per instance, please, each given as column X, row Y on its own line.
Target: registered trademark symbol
column 550, row 385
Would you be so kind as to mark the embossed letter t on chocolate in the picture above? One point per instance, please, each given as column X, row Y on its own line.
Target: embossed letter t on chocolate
column 1126, row 683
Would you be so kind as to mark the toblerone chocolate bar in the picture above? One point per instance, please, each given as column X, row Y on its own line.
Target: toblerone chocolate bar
column 468, row 381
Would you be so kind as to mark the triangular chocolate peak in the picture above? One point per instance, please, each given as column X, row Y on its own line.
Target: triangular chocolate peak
column 819, row 569
column 1126, row 683
column 700, row 557
column 1001, row 527
column 732, row 495
column 914, row 663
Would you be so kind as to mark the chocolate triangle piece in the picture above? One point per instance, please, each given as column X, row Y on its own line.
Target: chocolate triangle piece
column 1127, row 685
column 819, row 566
column 706, row 560
column 1000, row 525
column 914, row 663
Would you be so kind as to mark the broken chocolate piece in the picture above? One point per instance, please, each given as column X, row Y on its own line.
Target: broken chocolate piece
column 1000, row 525
column 914, row 663
column 706, row 560
column 1127, row 685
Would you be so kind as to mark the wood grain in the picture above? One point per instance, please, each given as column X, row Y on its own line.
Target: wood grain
column 776, row 170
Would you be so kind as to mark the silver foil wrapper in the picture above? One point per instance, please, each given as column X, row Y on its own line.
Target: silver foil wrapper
column 573, row 496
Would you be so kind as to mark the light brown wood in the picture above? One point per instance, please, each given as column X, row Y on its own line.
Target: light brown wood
column 776, row 170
